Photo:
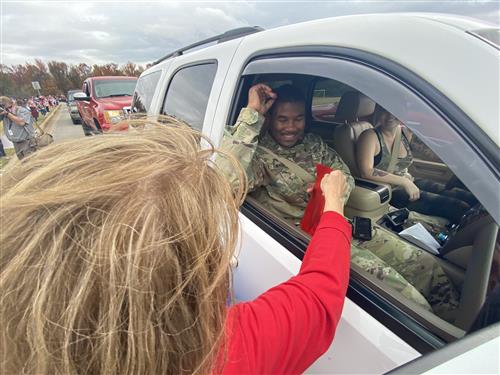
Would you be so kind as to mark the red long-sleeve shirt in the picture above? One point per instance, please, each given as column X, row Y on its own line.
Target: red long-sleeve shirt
column 288, row 327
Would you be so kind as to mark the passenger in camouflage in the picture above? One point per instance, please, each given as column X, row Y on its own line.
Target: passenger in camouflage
column 264, row 156
column 418, row 267
column 283, row 189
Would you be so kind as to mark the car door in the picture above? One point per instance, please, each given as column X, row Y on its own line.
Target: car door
column 388, row 335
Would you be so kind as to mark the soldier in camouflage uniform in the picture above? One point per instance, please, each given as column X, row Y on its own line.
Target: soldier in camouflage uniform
column 280, row 189
column 284, row 191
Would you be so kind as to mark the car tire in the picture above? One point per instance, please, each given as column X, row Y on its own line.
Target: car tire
column 99, row 129
column 87, row 130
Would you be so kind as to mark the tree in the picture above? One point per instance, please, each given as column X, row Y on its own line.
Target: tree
column 77, row 74
column 106, row 70
column 6, row 82
column 131, row 69
column 56, row 77
column 59, row 72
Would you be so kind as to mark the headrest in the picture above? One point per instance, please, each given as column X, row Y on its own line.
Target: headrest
column 353, row 105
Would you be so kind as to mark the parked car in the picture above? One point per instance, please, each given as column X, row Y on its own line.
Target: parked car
column 445, row 71
column 102, row 102
column 73, row 107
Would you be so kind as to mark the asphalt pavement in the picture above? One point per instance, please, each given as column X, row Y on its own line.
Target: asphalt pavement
column 61, row 127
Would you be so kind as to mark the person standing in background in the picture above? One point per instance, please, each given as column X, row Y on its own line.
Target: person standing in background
column 18, row 126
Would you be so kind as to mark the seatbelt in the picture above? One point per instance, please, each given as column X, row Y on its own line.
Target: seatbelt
column 395, row 151
column 298, row 170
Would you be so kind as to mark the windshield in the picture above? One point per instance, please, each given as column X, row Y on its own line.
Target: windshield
column 110, row 88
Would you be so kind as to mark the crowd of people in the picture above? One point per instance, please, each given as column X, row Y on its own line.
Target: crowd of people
column 39, row 105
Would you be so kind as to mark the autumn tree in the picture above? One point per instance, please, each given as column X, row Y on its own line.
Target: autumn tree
column 59, row 71
column 106, row 70
column 56, row 77
column 6, row 82
column 77, row 74
column 131, row 69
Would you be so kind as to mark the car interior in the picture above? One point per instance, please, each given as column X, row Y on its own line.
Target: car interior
column 339, row 114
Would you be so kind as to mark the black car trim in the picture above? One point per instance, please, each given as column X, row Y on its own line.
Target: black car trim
column 405, row 327
column 449, row 352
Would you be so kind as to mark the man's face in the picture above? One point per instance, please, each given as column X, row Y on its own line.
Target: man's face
column 288, row 121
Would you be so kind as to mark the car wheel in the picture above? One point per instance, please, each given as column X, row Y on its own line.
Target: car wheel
column 99, row 129
column 87, row 130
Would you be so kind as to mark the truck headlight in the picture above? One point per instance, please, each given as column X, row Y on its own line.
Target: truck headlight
column 113, row 117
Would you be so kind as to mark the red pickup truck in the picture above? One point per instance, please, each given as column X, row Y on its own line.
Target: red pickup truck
column 102, row 101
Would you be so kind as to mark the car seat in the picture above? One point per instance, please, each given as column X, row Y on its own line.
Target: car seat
column 470, row 249
column 353, row 111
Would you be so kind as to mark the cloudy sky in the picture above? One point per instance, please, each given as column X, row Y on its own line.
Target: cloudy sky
column 141, row 31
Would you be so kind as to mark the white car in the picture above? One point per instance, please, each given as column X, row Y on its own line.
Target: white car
column 446, row 68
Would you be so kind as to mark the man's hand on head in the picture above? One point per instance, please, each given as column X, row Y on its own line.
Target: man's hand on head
column 260, row 98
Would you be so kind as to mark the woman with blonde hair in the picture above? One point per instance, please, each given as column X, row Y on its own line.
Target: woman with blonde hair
column 116, row 260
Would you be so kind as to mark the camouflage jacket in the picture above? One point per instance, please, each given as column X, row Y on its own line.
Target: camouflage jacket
column 270, row 181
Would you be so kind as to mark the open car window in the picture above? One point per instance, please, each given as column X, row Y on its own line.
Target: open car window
column 370, row 259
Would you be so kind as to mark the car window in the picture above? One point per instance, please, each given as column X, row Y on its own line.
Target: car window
column 451, row 145
column 344, row 85
column 188, row 93
column 144, row 91
column 325, row 99
column 110, row 88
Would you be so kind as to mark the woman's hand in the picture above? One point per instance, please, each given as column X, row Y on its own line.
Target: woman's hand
column 334, row 187
column 411, row 189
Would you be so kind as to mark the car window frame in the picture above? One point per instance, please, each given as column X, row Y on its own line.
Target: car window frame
column 185, row 66
column 159, row 72
column 422, row 338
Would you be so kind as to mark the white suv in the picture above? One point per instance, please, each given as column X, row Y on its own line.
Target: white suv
column 447, row 70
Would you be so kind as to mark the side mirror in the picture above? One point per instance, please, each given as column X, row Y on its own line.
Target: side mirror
column 80, row 96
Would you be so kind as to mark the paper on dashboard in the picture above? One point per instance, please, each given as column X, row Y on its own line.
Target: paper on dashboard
column 418, row 235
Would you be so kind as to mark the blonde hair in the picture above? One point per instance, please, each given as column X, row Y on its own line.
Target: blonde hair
column 116, row 255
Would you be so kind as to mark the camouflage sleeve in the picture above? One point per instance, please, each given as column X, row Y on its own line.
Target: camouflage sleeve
column 241, row 141
column 334, row 161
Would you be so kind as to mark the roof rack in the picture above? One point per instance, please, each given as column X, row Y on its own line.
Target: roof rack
column 221, row 38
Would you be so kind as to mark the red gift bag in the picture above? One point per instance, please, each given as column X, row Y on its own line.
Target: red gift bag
column 316, row 203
